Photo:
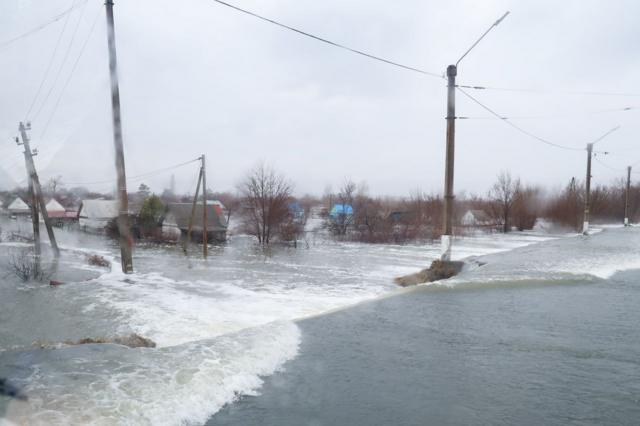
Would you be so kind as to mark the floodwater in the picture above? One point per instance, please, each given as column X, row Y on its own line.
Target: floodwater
column 544, row 314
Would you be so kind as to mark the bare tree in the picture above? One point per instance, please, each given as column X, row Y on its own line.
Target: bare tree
column 265, row 195
column 504, row 193
column 341, row 220
column 54, row 184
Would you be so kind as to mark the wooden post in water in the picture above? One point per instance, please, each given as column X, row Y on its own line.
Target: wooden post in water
column 205, row 241
column 36, row 195
column 123, row 201
column 193, row 212
column 626, row 198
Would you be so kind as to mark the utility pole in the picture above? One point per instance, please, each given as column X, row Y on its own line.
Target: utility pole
column 626, row 197
column 452, row 72
column 35, row 220
column 123, row 215
column 587, row 195
column 205, row 241
column 447, row 235
column 36, row 194
column 193, row 211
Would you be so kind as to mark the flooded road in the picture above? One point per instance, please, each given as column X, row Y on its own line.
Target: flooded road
column 221, row 325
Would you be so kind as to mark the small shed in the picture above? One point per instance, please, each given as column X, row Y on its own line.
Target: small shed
column 176, row 222
column 341, row 210
column 97, row 215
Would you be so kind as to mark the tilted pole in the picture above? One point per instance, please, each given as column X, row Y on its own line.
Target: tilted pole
column 123, row 212
column 205, row 242
column 193, row 211
column 35, row 220
column 626, row 197
column 587, row 195
column 447, row 233
column 36, row 194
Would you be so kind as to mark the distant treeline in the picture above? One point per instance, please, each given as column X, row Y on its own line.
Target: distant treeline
column 263, row 205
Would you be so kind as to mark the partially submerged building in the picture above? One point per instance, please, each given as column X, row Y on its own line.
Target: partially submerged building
column 176, row 221
column 98, row 216
column 58, row 215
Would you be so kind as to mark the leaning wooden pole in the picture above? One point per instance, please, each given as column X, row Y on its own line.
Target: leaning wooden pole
column 123, row 202
column 193, row 212
column 205, row 231
column 36, row 192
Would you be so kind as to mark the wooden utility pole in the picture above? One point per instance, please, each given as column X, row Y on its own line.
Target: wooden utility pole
column 35, row 220
column 626, row 197
column 447, row 233
column 37, row 199
column 193, row 211
column 587, row 195
column 123, row 215
column 205, row 241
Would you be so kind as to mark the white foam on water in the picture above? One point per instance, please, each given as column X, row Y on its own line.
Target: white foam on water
column 185, row 384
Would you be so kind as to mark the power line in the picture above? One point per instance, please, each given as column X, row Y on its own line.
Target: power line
column 566, row 92
column 62, row 64
column 547, row 117
column 6, row 43
column 603, row 164
column 73, row 69
column 329, row 42
column 518, row 128
column 140, row 176
column 53, row 55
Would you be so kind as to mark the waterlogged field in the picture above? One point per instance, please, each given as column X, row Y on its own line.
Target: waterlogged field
column 220, row 325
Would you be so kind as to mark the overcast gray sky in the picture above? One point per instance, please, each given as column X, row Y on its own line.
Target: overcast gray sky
column 197, row 77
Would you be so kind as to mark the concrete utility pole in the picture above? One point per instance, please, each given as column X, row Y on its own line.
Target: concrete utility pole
column 452, row 71
column 123, row 215
column 205, row 241
column 587, row 195
column 36, row 194
column 626, row 197
column 447, row 235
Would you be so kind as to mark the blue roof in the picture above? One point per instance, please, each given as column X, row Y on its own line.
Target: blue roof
column 341, row 209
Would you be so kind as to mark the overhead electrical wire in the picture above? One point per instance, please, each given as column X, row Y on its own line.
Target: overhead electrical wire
column 329, row 42
column 51, row 59
column 550, row 91
column 73, row 69
column 6, row 43
column 549, row 117
column 136, row 177
column 62, row 64
column 518, row 128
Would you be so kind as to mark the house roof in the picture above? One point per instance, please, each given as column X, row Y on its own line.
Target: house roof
column 179, row 214
column 99, row 209
column 54, row 206
column 18, row 205
column 341, row 209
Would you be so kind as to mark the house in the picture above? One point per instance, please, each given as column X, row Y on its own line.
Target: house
column 19, row 208
column 476, row 218
column 176, row 222
column 97, row 215
column 341, row 213
column 58, row 215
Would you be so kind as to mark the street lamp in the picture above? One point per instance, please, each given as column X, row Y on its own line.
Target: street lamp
column 452, row 71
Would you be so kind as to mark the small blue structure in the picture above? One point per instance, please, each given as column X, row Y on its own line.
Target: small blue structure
column 296, row 211
column 341, row 212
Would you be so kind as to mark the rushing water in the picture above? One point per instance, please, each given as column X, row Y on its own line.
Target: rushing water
column 224, row 324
